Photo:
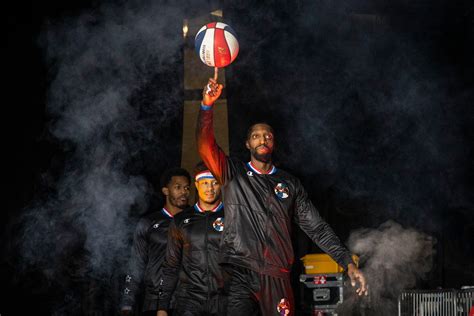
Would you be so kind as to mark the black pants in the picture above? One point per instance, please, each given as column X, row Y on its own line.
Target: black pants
column 250, row 293
column 194, row 313
column 187, row 307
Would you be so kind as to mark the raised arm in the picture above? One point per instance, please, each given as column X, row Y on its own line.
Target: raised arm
column 212, row 155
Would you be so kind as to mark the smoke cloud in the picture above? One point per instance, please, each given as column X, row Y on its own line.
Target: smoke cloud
column 392, row 258
column 103, row 113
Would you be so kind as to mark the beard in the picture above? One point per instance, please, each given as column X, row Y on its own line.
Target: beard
column 266, row 157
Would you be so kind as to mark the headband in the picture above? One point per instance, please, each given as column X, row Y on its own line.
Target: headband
column 206, row 174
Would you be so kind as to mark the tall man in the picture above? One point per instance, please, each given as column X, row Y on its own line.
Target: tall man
column 149, row 243
column 191, row 269
column 261, row 201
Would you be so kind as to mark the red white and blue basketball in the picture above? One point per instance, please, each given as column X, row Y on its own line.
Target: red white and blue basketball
column 216, row 44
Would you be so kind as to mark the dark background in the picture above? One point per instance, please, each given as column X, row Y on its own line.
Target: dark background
column 371, row 101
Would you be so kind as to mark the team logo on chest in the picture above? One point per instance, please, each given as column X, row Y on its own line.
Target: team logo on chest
column 281, row 190
column 218, row 224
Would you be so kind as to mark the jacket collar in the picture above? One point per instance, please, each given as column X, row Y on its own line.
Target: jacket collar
column 250, row 165
column 218, row 207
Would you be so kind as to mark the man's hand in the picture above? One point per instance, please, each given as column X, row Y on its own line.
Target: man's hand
column 212, row 91
column 357, row 276
column 162, row 313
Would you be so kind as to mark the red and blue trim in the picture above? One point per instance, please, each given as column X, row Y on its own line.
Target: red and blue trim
column 258, row 171
column 166, row 212
column 218, row 207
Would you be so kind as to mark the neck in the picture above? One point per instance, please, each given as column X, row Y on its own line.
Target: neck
column 260, row 165
column 208, row 206
column 172, row 209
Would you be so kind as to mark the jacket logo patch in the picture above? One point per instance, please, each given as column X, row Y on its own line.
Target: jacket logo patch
column 250, row 173
column 283, row 307
column 282, row 191
column 218, row 224
column 156, row 225
column 186, row 220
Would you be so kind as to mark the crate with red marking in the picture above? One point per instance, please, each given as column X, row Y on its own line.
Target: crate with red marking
column 323, row 283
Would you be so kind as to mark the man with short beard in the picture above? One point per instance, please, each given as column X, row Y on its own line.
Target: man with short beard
column 261, row 202
column 191, row 272
column 149, row 243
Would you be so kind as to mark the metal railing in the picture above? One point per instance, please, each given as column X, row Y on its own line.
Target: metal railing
column 436, row 302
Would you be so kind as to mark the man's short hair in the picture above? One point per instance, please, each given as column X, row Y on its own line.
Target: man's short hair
column 249, row 131
column 173, row 172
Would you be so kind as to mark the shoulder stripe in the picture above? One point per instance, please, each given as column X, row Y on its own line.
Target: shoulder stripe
column 219, row 207
column 166, row 212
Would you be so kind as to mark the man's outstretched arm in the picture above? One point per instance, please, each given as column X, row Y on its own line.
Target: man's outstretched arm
column 212, row 155
column 311, row 222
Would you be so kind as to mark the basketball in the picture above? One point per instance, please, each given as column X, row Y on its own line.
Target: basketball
column 216, row 44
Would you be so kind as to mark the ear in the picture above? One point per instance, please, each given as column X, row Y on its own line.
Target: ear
column 247, row 144
column 196, row 184
column 165, row 191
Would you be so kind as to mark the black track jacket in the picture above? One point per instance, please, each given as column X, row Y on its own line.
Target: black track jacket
column 259, row 211
column 148, row 254
column 191, row 270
